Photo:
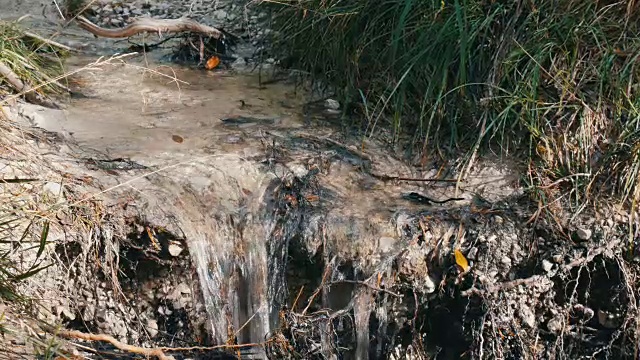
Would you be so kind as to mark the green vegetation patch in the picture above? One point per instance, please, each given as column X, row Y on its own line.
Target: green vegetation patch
column 556, row 80
column 34, row 61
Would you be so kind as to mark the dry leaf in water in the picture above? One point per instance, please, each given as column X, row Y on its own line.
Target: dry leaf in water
column 461, row 261
column 177, row 138
column 212, row 63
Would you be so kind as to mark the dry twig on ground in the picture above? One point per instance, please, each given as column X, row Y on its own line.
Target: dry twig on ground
column 142, row 25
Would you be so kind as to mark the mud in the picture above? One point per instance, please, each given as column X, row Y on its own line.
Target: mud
column 294, row 229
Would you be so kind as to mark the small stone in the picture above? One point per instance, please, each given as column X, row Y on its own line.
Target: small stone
column 473, row 254
column 152, row 328
column 555, row 325
column 430, row 285
column 506, row 260
column 385, row 244
column 175, row 250
column 68, row 314
column 331, row 104
column 53, row 188
column 557, row 258
column 583, row 234
column 498, row 219
column 527, row 316
column 101, row 316
column 547, row 265
column 239, row 64
column 115, row 22
column 183, row 288
column 220, row 14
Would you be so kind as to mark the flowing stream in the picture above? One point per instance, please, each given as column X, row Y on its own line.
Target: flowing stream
column 243, row 172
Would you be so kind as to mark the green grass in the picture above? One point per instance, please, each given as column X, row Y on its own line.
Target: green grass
column 556, row 81
column 32, row 60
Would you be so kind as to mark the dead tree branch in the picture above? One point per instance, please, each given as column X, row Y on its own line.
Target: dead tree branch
column 149, row 25
column 148, row 352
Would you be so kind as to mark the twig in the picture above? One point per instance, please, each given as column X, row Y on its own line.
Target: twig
column 401, row 178
column 49, row 41
column 502, row 286
column 367, row 285
column 610, row 245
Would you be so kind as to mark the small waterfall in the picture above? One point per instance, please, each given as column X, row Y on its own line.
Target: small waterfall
column 218, row 203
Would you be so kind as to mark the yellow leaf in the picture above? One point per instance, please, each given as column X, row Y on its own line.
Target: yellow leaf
column 461, row 260
column 212, row 63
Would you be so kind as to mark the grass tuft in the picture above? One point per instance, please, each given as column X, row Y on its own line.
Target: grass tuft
column 32, row 60
column 554, row 80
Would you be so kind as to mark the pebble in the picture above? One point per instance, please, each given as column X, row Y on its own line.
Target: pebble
column 555, row 325
column 175, row 250
column 331, row 104
column 429, row 285
column 53, row 188
column 506, row 260
column 583, row 234
column 385, row 244
column 220, row 14
column 547, row 265
column 527, row 316
column 152, row 327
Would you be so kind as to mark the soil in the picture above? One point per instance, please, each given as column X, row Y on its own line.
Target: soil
column 198, row 208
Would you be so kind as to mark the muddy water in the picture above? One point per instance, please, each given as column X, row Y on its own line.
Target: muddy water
column 241, row 172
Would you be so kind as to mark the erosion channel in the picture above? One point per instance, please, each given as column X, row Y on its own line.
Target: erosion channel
column 249, row 217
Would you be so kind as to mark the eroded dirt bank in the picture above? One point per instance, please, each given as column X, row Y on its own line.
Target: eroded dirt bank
column 201, row 208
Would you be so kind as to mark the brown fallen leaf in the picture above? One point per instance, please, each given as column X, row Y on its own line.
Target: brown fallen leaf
column 177, row 138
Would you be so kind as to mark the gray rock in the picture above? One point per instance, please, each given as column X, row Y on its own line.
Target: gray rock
column 220, row 14
column 473, row 253
column 115, row 22
column 506, row 260
column 175, row 250
column 183, row 288
column 555, row 325
column 53, row 188
column 239, row 64
column 101, row 316
column 527, row 316
column 429, row 285
column 385, row 244
column 583, row 234
column 152, row 327
column 547, row 265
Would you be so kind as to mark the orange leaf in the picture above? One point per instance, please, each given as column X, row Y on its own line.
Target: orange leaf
column 212, row 63
column 461, row 260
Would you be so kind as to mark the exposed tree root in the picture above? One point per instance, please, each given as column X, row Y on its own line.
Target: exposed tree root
column 155, row 352
column 608, row 247
column 141, row 25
